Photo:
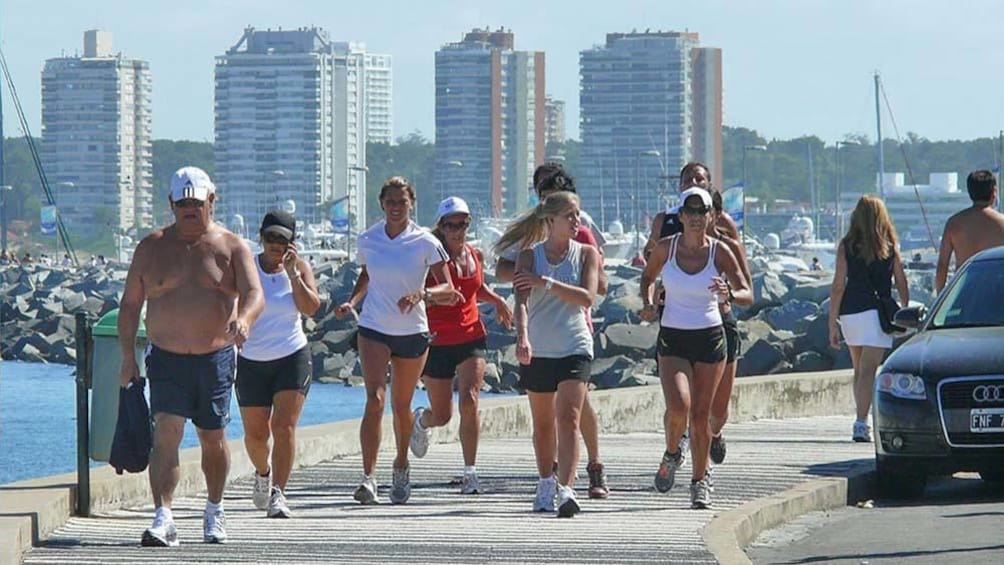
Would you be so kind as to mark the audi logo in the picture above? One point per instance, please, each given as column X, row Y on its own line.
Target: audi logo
column 988, row 393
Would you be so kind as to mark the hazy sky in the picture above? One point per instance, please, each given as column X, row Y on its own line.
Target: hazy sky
column 791, row 67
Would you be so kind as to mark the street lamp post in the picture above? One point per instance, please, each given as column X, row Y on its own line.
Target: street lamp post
column 350, row 208
column 636, row 201
column 3, row 214
column 838, row 219
column 746, row 184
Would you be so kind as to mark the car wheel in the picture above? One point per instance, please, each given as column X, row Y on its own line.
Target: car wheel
column 898, row 482
column 992, row 476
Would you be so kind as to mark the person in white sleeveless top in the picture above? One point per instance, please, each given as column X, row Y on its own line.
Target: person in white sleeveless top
column 697, row 273
column 396, row 255
column 273, row 366
column 555, row 284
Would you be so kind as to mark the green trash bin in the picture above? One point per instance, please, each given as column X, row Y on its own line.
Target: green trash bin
column 105, row 365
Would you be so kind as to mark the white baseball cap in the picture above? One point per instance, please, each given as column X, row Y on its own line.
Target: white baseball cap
column 452, row 205
column 701, row 193
column 191, row 182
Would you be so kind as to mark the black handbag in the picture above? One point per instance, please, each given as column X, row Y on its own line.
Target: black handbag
column 887, row 308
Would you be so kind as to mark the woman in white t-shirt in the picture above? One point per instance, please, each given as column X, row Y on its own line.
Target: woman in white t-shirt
column 273, row 367
column 396, row 254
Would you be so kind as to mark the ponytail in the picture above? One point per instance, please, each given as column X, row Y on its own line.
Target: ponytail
column 531, row 227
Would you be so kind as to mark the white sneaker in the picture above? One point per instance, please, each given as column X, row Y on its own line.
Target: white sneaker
column 261, row 490
column 162, row 533
column 366, row 492
column 419, row 436
column 400, row 490
column 700, row 494
column 470, row 484
column 277, row 507
column 544, row 502
column 214, row 526
column 568, row 506
column 861, row 432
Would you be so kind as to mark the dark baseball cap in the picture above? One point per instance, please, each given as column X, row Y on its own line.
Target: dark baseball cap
column 279, row 222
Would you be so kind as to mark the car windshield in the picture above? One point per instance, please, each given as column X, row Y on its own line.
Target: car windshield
column 973, row 299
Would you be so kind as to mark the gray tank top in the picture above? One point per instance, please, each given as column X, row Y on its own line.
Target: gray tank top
column 557, row 328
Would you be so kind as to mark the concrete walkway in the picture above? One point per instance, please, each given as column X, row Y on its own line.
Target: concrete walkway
column 635, row 525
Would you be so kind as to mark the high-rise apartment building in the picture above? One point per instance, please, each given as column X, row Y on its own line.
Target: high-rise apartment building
column 290, row 125
column 96, row 138
column 490, row 121
column 649, row 103
column 379, row 98
column 555, row 119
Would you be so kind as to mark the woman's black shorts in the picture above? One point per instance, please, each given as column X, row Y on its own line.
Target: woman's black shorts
column 706, row 345
column 543, row 374
column 443, row 359
column 259, row 381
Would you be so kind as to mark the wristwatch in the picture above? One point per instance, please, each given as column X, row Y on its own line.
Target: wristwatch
column 548, row 283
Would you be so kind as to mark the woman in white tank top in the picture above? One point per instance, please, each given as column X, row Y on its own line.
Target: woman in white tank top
column 274, row 367
column 697, row 272
column 555, row 284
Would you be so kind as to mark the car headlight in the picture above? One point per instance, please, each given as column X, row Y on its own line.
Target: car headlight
column 902, row 385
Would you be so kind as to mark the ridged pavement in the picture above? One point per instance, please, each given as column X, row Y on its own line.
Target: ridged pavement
column 635, row 525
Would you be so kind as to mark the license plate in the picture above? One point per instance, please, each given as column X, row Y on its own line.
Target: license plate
column 986, row 420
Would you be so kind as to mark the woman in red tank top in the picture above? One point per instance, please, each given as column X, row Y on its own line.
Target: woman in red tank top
column 459, row 342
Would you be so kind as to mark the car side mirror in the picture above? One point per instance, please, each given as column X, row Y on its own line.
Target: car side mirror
column 910, row 317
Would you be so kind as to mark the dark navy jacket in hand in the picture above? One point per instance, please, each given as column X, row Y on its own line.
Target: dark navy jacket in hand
column 133, row 431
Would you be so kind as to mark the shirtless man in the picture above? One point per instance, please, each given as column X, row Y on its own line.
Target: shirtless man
column 973, row 229
column 202, row 293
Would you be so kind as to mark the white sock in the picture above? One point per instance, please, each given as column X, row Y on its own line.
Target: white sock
column 212, row 507
column 550, row 479
column 470, row 469
column 164, row 513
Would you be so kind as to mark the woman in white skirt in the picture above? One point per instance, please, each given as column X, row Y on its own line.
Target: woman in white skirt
column 867, row 261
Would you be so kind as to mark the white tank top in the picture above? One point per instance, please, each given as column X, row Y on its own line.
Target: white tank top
column 690, row 304
column 277, row 332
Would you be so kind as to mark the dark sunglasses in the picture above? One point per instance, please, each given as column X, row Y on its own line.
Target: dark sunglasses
column 695, row 210
column 275, row 238
column 456, row 226
column 189, row 203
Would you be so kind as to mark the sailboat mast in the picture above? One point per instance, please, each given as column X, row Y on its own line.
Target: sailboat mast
column 878, row 129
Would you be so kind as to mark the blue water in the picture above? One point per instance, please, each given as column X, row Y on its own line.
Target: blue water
column 38, row 417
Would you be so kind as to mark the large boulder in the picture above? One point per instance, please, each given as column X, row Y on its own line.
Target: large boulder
column 609, row 372
column 811, row 361
column 339, row 341
column 816, row 291
column 634, row 341
column 621, row 305
column 792, row 315
column 768, row 288
column 762, row 358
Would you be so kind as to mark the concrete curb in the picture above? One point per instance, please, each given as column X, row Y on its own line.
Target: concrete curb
column 731, row 531
column 43, row 505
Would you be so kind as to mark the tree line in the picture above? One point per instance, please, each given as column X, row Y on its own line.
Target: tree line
column 780, row 172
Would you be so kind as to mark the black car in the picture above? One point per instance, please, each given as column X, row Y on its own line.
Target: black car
column 939, row 398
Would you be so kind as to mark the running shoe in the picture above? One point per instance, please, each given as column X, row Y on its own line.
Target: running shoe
column 162, row 533
column 544, row 502
column 666, row 475
column 277, row 507
column 717, row 449
column 214, row 528
column 419, row 436
column 470, row 484
column 567, row 505
column 862, row 433
column 700, row 494
column 400, row 490
column 597, row 480
column 262, row 490
column 366, row 492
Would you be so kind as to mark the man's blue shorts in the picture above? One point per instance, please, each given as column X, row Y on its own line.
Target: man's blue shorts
column 196, row 387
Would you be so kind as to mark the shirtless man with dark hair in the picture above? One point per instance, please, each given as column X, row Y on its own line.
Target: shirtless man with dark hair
column 972, row 230
column 202, row 292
